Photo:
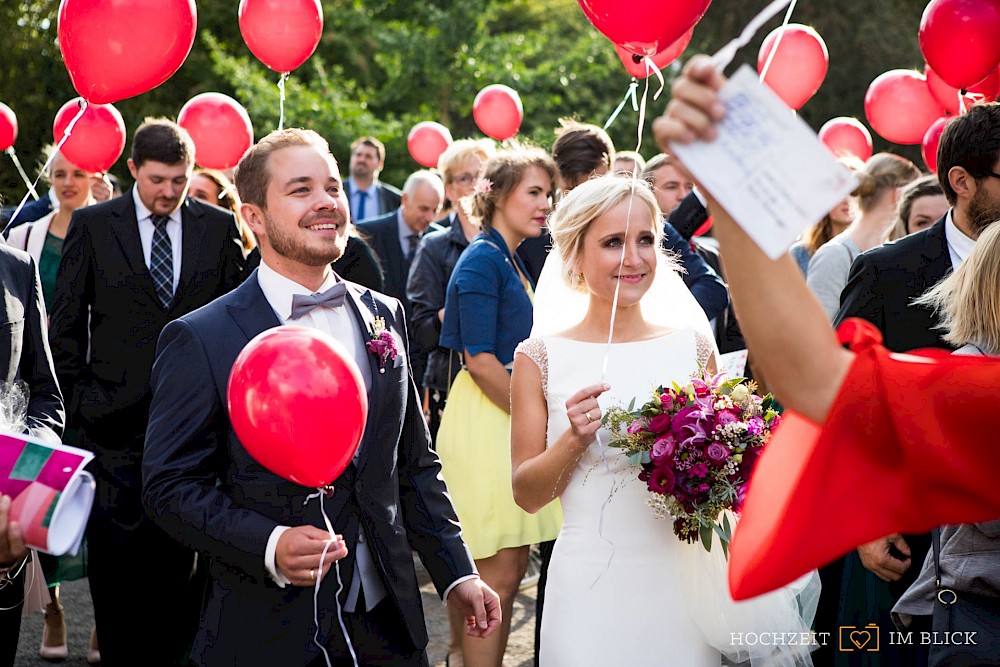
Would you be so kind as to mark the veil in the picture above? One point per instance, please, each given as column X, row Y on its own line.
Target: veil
column 668, row 302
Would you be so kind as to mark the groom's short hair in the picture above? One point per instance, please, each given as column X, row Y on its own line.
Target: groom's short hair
column 253, row 175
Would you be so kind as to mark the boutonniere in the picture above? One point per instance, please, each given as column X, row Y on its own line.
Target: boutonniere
column 382, row 344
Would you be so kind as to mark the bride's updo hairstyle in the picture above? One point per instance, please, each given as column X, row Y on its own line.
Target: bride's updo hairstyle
column 589, row 201
column 499, row 177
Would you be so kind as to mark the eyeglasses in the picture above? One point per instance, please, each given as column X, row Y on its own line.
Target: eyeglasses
column 463, row 179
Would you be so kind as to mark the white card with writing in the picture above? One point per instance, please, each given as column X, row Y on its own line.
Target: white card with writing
column 733, row 364
column 766, row 167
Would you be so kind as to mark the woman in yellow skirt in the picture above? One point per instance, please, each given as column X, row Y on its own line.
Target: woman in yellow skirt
column 487, row 313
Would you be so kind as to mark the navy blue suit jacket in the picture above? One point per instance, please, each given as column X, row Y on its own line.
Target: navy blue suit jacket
column 205, row 489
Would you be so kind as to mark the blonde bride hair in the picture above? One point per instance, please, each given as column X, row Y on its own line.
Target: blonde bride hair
column 589, row 201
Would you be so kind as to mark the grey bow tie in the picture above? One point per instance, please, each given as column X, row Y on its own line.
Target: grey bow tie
column 302, row 304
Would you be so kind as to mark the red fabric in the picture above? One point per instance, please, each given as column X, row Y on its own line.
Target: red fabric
column 909, row 444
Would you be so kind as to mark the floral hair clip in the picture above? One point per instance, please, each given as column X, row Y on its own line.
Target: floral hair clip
column 483, row 186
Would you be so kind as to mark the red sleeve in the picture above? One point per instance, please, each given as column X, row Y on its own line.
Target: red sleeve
column 907, row 446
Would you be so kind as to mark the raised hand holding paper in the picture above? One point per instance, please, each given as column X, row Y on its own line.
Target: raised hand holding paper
column 766, row 167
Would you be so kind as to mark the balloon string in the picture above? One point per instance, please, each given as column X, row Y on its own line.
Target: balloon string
column 781, row 34
column 629, row 95
column 725, row 55
column 281, row 100
column 652, row 67
column 45, row 168
column 24, row 177
column 321, row 493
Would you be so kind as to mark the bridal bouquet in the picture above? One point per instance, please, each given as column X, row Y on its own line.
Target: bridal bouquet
column 697, row 445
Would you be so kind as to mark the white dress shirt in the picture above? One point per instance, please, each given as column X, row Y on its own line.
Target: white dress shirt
column 373, row 207
column 959, row 245
column 146, row 229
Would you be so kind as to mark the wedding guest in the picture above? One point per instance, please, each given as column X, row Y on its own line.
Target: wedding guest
column 808, row 369
column 129, row 266
column 832, row 224
column 968, row 304
column 426, row 287
column 369, row 196
column 880, row 179
column 214, row 187
column 24, row 357
column 580, row 151
column 434, row 263
column 921, row 204
column 261, row 537
column 629, row 163
column 487, row 313
column 43, row 240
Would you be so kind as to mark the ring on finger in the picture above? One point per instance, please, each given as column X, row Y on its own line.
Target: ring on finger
column 312, row 575
column 589, row 418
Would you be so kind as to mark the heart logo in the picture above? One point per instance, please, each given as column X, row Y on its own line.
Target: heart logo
column 860, row 638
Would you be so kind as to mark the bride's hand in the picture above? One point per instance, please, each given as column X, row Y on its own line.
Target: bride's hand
column 584, row 413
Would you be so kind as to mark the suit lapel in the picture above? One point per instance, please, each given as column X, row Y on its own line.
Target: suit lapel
column 126, row 231
column 251, row 311
column 192, row 236
column 936, row 254
column 359, row 300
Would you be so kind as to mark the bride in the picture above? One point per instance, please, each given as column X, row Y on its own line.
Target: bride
column 622, row 588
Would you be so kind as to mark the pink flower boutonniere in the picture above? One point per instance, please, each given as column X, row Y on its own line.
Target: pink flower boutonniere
column 382, row 344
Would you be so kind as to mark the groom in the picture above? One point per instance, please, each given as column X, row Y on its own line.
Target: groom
column 260, row 534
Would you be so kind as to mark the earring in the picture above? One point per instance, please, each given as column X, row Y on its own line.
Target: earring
column 579, row 278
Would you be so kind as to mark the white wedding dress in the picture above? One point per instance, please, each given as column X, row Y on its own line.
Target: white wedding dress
column 622, row 588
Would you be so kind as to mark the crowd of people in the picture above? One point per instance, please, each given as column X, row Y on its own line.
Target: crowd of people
column 498, row 275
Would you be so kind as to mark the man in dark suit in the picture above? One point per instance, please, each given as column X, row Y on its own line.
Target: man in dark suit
column 262, row 537
column 369, row 197
column 129, row 266
column 394, row 237
column 25, row 357
column 884, row 281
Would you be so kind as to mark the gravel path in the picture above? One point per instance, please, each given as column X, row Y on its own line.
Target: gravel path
column 80, row 617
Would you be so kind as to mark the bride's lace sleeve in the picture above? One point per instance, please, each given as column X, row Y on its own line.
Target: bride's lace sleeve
column 534, row 349
column 705, row 347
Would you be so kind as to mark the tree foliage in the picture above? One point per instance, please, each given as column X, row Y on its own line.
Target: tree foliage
column 384, row 65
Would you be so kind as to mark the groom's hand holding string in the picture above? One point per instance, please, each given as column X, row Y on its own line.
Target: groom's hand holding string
column 298, row 552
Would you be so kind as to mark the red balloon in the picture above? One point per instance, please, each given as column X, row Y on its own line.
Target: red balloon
column 8, row 127
column 497, row 111
column 635, row 65
column 281, row 33
column 426, row 141
column 220, row 128
column 645, row 27
column 298, row 404
column 900, row 107
column 114, row 49
column 847, row 136
column 959, row 39
column 984, row 91
column 798, row 67
column 929, row 147
column 98, row 138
